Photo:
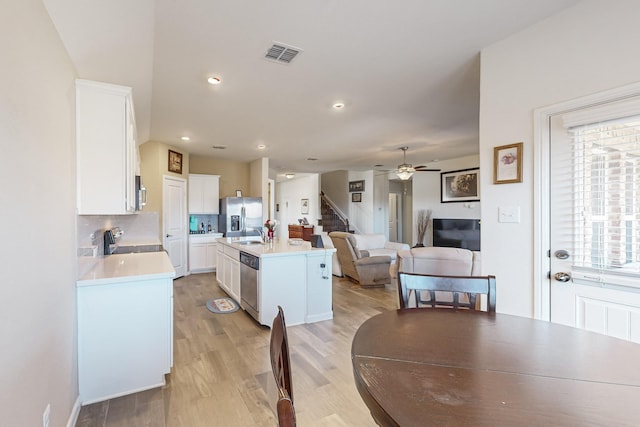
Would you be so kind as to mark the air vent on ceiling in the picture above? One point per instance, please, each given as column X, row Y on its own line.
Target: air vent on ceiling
column 282, row 53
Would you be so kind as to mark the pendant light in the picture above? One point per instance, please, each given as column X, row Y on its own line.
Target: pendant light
column 405, row 171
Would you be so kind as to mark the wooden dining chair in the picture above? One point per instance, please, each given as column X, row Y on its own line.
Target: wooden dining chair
column 281, row 367
column 455, row 286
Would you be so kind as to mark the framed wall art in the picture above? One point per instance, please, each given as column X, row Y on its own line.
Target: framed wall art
column 507, row 163
column 356, row 197
column 175, row 162
column 357, row 186
column 305, row 206
column 460, row 186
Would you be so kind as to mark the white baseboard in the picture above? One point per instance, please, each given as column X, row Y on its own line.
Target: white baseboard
column 73, row 418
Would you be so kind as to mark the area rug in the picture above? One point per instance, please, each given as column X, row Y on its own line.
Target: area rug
column 222, row 305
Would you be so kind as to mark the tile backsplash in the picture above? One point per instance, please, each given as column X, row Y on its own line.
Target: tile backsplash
column 206, row 219
column 140, row 228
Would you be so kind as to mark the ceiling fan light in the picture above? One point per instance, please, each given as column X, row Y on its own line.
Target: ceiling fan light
column 405, row 172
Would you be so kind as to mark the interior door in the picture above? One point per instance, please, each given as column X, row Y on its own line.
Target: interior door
column 174, row 222
column 580, row 294
column 394, row 235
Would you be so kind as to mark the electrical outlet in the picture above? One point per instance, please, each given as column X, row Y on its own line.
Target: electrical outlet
column 45, row 415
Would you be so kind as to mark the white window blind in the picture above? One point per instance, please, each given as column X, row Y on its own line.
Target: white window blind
column 602, row 185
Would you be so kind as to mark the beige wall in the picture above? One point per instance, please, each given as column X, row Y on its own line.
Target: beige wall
column 233, row 175
column 154, row 163
column 37, row 201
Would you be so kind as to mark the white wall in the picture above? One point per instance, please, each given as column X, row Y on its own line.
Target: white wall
column 37, row 201
column 289, row 195
column 361, row 213
column 426, row 194
column 585, row 49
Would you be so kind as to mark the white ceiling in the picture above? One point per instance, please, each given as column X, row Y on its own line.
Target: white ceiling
column 407, row 72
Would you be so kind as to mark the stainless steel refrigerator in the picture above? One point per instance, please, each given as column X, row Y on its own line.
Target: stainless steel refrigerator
column 240, row 216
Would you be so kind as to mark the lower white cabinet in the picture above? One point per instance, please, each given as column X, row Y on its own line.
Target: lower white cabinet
column 228, row 271
column 125, row 337
column 203, row 252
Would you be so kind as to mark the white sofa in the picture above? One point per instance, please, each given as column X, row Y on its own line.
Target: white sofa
column 440, row 261
column 377, row 244
column 336, row 270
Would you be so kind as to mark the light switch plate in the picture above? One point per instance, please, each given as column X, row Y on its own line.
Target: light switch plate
column 509, row 214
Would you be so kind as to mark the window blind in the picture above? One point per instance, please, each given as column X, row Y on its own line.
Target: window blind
column 601, row 192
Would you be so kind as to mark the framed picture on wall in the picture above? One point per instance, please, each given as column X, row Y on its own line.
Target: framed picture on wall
column 507, row 164
column 304, row 206
column 175, row 162
column 356, row 186
column 356, row 197
column 460, row 186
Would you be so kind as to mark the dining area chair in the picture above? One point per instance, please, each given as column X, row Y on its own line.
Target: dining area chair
column 281, row 367
column 463, row 291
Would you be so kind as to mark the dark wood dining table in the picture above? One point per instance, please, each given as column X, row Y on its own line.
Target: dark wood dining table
column 421, row 367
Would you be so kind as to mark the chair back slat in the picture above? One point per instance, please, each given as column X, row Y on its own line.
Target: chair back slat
column 286, row 412
column 467, row 287
column 281, row 367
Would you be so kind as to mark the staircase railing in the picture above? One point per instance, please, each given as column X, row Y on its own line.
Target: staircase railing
column 333, row 219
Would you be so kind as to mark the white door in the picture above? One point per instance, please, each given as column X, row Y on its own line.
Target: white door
column 594, row 235
column 394, row 234
column 174, row 222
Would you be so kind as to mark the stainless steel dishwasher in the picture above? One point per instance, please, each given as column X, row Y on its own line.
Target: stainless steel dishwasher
column 249, row 267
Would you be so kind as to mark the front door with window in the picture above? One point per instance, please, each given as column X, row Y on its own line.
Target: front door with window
column 594, row 164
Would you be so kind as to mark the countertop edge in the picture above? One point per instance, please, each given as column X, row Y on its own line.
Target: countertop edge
column 113, row 269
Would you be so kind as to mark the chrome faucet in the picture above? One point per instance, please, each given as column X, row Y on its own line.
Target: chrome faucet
column 263, row 235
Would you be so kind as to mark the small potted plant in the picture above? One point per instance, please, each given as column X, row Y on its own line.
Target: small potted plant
column 270, row 225
column 423, row 222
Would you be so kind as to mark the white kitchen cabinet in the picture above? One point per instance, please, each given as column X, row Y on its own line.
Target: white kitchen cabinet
column 204, row 194
column 220, row 264
column 203, row 252
column 105, row 148
column 125, row 326
column 228, row 273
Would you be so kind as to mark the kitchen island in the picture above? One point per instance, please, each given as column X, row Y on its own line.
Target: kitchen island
column 125, row 325
column 290, row 274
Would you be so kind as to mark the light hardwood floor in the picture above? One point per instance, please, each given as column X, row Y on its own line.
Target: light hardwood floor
column 222, row 373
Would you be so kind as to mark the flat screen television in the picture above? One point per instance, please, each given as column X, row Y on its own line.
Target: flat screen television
column 457, row 233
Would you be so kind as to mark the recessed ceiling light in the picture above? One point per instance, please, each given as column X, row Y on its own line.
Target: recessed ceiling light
column 338, row 105
column 214, row 80
column 289, row 175
column 185, row 138
column 261, row 147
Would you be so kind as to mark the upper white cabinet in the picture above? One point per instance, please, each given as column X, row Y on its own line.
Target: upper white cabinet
column 204, row 194
column 106, row 148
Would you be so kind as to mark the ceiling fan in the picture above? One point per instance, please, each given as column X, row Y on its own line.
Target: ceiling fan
column 406, row 170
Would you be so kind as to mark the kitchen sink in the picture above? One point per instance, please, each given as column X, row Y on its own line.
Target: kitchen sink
column 249, row 242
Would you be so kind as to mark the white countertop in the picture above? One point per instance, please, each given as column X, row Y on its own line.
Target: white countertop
column 204, row 236
column 278, row 247
column 121, row 268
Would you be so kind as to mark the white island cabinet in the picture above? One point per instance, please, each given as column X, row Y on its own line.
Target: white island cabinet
column 292, row 275
column 125, row 325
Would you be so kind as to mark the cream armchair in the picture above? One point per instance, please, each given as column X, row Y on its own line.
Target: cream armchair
column 369, row 271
